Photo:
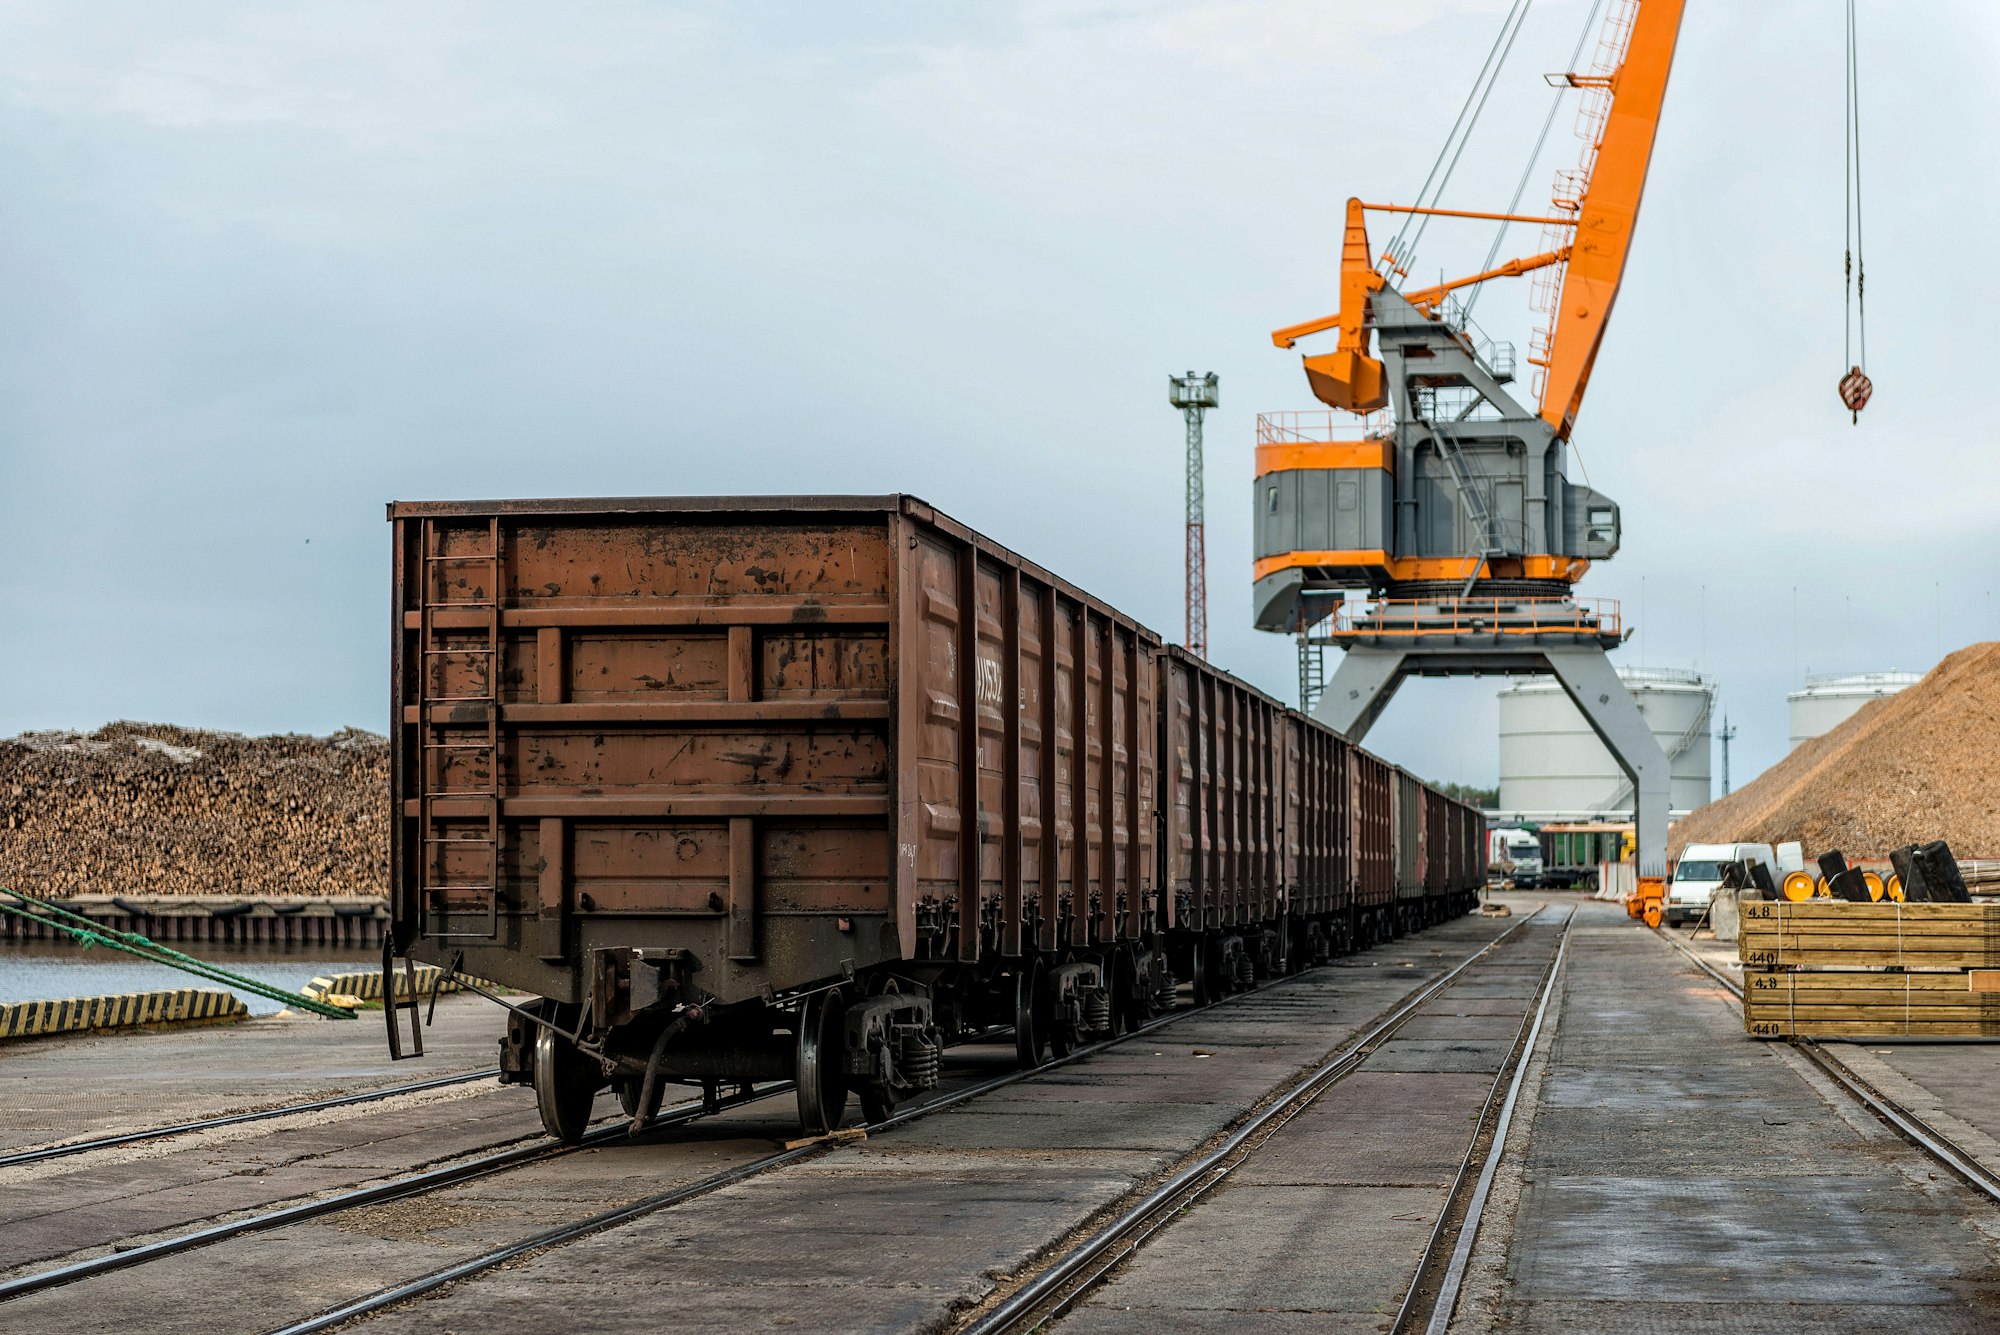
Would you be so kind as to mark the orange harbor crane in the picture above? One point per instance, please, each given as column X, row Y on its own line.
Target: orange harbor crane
column 1433, row 493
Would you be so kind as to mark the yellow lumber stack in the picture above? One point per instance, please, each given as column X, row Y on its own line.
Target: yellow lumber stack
column 1832, row 969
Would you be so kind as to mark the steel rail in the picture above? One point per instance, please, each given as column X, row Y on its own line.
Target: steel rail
column 1412, row 1297
column 436, row 1179
column 1906, row 1123
column 394, row 1189
column 1043, row 1298
column 570, row 1232
column 234, row 1119
column 1446, row 1301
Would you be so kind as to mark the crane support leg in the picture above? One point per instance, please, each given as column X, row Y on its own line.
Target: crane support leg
column 1360, row 689
column 1367, row 678
column 1589, row 680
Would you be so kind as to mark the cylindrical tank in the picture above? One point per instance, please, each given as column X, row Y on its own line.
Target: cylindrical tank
column 1830, row 699
column 1552, row 767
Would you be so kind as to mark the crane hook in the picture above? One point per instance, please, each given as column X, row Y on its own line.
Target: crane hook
column 1855, row 389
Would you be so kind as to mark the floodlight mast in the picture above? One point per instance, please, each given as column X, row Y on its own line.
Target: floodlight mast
column 1194, row 395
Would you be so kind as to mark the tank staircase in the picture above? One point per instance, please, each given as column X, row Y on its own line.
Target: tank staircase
column 1685, row 742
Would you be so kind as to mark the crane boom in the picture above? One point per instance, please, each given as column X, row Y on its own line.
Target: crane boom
column 1609, row 209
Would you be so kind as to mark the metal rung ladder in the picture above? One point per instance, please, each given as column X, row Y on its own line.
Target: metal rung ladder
column 477, row 575
column 1473, row 499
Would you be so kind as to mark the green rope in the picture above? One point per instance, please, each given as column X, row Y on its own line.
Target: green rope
column 92, row 933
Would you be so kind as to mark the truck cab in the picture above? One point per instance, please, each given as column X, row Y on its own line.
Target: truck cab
column 1698, row 875
column 1519, row 854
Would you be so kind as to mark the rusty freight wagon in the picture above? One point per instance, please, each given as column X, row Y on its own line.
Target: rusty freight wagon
column 1318, row 817
column 808, row 787
column 1227, row 823
column 1372, row 847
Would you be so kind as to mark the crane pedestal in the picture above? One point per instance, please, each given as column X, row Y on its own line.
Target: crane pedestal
column 1390, row 640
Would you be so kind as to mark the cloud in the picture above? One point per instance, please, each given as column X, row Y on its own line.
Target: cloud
column 272, row 264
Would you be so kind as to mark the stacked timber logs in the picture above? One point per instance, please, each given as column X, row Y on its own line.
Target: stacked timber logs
column 149, row 809
column 1832, row 969
column 1981, row 875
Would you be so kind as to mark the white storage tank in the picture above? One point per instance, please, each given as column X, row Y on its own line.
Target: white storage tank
column 1830, row 699
column 1553, row 768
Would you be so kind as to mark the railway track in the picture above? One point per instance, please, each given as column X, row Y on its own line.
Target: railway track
column 556, row 1237
column 420, row 1184
column 1084, row 1267
column 63, row 1151
column 1909, row 1125
column 380, row 1193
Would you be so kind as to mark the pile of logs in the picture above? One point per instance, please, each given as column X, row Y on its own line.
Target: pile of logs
column 140, row 808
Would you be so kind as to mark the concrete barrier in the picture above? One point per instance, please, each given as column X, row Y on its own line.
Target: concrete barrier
column 1723, row 915
column 33, row 1019
column 250, row 920
column 367, row 984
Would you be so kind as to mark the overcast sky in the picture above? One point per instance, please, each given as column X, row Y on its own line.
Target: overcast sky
column 267, row 266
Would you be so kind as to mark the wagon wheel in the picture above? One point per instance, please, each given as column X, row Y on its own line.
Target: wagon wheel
column 1204, row 975
column 566, row 1084
column 1031, row 1036
column 819, row 1069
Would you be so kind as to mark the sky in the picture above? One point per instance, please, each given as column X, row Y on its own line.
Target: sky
column 270, row 265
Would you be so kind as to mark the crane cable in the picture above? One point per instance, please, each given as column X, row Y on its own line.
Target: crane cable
column 1534, row 157
column 1855, row 387
column 1403, row 246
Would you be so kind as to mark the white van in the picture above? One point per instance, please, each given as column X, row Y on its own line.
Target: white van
column 1698, row 875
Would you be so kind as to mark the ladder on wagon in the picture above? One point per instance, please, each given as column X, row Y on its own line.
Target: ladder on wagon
column 457, row 695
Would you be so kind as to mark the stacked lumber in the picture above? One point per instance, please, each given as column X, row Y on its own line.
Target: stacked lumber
column 1981, row 875
column 1833, row 933
column 1875, row 1003
column 1832, row 969
column 138, row 808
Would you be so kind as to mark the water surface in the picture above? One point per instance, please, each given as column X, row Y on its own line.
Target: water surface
column 51, row 971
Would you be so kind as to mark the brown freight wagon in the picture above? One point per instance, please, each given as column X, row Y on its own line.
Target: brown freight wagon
column 1373, row 853
column 1229, row 761
column 1319, row 806
column 1408, row 792
column 808, row 787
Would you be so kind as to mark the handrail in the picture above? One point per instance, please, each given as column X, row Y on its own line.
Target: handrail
column 1309, row 426
column 1467, row 616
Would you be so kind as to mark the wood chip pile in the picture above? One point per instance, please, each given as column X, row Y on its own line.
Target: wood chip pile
column 1908, row 768
column 144, row 808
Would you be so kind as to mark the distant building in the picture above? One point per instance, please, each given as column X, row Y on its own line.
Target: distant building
column 1829, row 700
column 1553, row 768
